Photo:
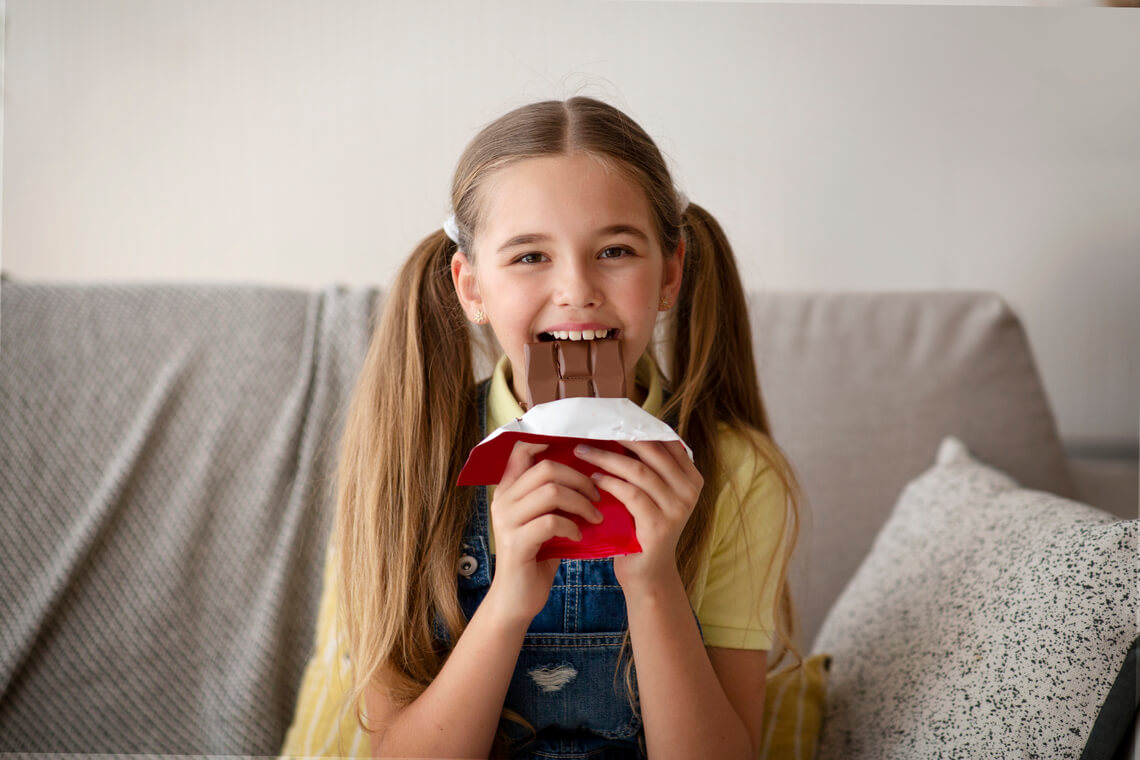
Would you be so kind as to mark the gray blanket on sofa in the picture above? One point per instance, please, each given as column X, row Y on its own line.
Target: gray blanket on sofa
column 174, row 492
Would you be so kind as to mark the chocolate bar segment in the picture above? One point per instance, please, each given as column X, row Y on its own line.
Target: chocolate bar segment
column 608, row 370
column 573, row 359
column 541, row 373
column 573, row 369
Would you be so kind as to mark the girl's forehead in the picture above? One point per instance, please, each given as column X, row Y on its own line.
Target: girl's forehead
column 563, row 192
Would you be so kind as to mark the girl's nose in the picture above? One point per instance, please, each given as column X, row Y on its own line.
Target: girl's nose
column 577, row 285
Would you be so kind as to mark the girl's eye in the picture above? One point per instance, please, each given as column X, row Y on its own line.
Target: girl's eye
column 615, row 252
column 530, row 258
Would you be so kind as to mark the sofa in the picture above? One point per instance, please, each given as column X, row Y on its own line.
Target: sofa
column 167, row 459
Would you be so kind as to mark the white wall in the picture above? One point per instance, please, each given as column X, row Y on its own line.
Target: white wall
column 843, row 147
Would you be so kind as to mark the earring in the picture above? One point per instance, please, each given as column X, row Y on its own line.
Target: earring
column 663, row 304
column 480, row 317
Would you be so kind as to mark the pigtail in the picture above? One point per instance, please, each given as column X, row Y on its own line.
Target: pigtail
column 709, row 352
column 712, row 342
column 399, row 514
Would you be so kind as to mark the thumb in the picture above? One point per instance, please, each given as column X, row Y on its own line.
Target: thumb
column 521, row 458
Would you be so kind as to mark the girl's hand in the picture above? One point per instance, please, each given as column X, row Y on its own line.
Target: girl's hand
column 659, row 488
column 523, row 516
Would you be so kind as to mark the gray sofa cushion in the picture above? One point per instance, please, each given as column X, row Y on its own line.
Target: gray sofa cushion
column 166, row 461
column 862, row 387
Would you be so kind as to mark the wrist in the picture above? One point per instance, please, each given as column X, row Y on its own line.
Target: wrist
column 502, row 611
column 653, row 588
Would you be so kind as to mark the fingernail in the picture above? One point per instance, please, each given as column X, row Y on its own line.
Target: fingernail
column 598, row 516
column 583, row 450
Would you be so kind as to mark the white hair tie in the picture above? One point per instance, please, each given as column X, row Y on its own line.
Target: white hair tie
column 451, row 229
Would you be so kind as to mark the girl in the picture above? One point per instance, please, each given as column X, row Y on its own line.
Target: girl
column 463, row 645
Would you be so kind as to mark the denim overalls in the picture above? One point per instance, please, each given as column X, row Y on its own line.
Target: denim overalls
column 568, row 682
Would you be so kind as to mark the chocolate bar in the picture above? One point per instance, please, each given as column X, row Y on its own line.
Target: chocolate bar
column 573, row 368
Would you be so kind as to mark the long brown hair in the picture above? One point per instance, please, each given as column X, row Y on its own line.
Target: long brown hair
column 411, row 422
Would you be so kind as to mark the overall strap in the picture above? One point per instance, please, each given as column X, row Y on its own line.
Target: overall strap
column 479, row 521
column 482, row 391
column 474, row 561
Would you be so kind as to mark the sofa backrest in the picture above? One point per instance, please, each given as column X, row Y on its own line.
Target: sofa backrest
column 166, row 469
column 861, row 387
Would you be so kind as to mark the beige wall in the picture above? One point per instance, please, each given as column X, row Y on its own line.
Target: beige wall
column 304, row 142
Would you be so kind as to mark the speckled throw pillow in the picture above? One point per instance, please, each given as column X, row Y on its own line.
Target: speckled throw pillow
column 988, row 620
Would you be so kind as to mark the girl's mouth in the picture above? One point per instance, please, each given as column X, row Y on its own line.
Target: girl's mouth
column 547, row 337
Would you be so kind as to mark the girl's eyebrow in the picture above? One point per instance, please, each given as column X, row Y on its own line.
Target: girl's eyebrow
column 538, row 237
column 527, row 239
column 623, row 229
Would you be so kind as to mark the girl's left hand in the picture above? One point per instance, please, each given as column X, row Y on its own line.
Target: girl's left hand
column 659, row 487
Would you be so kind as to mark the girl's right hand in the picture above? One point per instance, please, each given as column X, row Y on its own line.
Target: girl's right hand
column 523, row 517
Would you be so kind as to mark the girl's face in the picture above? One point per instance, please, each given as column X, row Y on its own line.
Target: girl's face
column 567, row 244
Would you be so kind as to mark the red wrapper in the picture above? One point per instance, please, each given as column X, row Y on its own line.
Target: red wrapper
column 562, row 425
column 614, row 535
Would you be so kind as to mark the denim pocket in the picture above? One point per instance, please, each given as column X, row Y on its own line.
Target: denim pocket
column 572, row 682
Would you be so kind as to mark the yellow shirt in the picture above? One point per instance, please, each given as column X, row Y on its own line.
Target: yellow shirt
column 734, row 596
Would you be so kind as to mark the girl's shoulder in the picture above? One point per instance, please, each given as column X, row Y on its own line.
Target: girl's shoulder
column 745, row 453
column 752, row 485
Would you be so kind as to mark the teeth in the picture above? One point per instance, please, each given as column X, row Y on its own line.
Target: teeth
column 578, row 334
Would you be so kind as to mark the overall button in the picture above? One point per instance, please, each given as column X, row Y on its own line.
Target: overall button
column 468, row 565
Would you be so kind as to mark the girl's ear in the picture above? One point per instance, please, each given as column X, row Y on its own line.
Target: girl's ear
column 671, row 275
column 466, row 286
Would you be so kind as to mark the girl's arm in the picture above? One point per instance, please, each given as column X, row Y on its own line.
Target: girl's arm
column 458, row 714
column 743, row 674
column 691, row 707
column 686, row 710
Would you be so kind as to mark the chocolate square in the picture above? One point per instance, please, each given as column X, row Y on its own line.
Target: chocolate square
column 572, row 369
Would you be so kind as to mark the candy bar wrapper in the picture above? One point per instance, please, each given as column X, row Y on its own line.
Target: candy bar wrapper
column 563, row 424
